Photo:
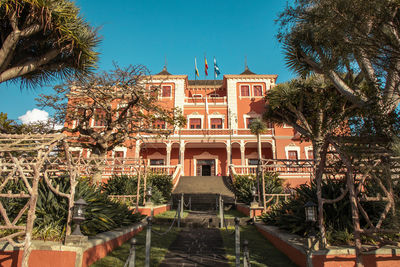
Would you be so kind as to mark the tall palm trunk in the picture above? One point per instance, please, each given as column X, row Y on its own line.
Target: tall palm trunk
column 259, row 166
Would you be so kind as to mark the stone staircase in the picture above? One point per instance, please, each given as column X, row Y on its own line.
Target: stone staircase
column 203, row 191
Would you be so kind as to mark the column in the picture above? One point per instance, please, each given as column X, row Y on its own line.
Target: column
column 169, row 146
column 242, row 154
column 228, row 153
column 182, row 153
column 137, row 149
column 228, row 156
column 273, row 149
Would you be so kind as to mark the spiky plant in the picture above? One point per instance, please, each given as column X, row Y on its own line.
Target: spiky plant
column 42, row 40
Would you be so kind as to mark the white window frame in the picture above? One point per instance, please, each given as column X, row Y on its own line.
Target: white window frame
column 292, row 147
column 156, row 155
column 161, row 93
column 205, row 155
column 240, row 91
column 262, row 90
column 216, row 117
column 195, row 117
column 307, row 149
column 119, row 149
column 246, row 116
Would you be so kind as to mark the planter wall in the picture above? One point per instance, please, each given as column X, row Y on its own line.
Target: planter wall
column 153, row 211
column 50, row 254
column 294, row 247
column 249, row 212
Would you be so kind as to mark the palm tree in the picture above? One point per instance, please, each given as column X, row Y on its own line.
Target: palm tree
column 42, row 40
column 257, row 127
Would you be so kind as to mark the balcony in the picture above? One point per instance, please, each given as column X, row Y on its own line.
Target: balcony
column 220, row 132
column 202, row 100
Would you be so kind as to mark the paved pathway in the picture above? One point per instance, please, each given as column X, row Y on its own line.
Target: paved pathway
column 196, row 247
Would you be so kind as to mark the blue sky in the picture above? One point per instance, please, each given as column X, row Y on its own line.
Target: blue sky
column 145, row 32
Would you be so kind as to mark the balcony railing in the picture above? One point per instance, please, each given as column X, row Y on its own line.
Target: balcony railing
column 221, row 132
column 202, row 100
column 286, row 168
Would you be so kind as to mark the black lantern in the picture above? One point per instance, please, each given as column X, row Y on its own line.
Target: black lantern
column 78, row 215
column 311, row 211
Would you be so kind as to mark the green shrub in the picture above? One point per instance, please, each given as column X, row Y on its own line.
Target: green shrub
column 244, row 183
column 127, row 185
column 101, row 214
column 290, row 215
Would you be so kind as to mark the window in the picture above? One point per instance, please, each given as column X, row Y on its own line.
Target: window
column 195, row 123
column 197, row 95
column 253, row 161
column 216, row 123
column 75, row 154
column 257, row 90
column 292, row 154
column 166, row 91
column 99, row 118
column 156, row 162
column 244, row 90
column 310, row 154
column 159, row 125
column 118, row 154
column 214, row 95
column 248, row 122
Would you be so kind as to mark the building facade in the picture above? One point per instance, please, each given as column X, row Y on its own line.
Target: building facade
column 217, row 133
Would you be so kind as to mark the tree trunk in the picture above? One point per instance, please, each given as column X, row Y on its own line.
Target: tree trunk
column 319, row 151
column 259, row 166
column 98, row 174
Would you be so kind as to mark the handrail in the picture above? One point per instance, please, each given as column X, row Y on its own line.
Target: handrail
column 176, row 176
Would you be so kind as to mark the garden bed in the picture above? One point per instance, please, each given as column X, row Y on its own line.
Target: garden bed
column 295, row 248
column 49, row 254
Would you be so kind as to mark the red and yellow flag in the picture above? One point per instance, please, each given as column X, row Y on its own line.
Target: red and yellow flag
column 205, row 66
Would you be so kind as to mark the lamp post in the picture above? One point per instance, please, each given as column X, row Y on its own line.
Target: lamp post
column 79, row 215
column 310, row 209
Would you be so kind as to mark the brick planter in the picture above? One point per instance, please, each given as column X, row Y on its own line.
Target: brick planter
column 248, row 211
column 154, row 210
column 50, row 254
column 294, row 247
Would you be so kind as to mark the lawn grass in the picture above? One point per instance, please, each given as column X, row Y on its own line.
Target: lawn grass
column 170, row 214
column 262, row 252
column 231, row 214
column 159, row 247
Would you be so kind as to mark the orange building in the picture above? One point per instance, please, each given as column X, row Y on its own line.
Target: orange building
column 217, row 133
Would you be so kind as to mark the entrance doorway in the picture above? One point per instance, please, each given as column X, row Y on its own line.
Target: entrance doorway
column 205, row 167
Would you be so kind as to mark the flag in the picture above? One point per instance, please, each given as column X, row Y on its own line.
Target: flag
column 216, row 68
column 205, row 66
column 206, row 105
column 196, row 71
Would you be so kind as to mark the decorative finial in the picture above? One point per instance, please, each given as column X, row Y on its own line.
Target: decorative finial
column 165, row 64
column 245, row 63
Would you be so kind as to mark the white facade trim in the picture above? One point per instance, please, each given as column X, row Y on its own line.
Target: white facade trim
column 120, row 148
column 191, row 116
column 205, row 155
column 216, row 116
column 292, row 147
column 307, row 149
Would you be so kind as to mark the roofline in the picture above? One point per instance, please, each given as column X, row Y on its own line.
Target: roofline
column 238, row 76
column 169, row 76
